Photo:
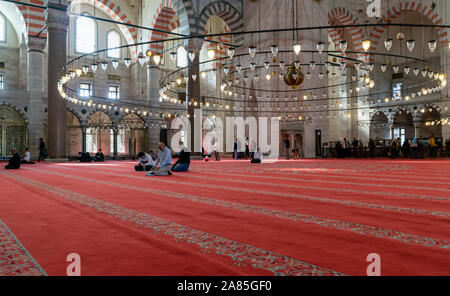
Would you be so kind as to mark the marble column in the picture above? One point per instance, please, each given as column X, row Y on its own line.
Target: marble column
column 153, row 78
column 115, row 135
column 57, row 23
column 35, row 83
column 193, row 87
column 83, row 140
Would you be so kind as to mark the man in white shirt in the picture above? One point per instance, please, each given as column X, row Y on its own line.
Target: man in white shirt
column 258, row 156
column 145, row 162
column 26, row 157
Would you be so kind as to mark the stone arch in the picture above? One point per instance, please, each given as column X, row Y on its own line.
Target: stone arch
column 115, row 13
column 17, row 109
column 98, row 118
column 165, row 18
column 132, row 134
column 13, row 129
column 414, row 6
column 230, row 15
column 185, row 15
column 379, row 126
column 404, row 119
column 18, row 16
column 343, row 16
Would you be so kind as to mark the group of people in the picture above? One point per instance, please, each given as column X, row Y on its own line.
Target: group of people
column 163, row 166
column 409, row 148
column 86, row 156
column 16, row 159
column 250, row 152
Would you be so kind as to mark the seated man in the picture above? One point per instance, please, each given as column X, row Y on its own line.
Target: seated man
column 99, row 156
column 258, row 156
column 145, row 162
column 26, row 157
column 85, row 157
column 14, row 161
column 182, row 164
column 164, row 160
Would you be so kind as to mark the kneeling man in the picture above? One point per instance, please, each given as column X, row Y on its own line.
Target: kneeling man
column 182, row 164
column 164, row 160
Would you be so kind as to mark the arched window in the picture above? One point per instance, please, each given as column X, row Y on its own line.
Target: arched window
column 113, row 40
column 181, row 57
column 85, row 35
column 2, row 28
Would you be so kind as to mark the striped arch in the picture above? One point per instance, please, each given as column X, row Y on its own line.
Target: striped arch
column 165, row 19
column 228, row 13
column 398, row 9
column 34, row 17
column 186, row 16
column 113, row 11
column 225, row 39
column 345, row 17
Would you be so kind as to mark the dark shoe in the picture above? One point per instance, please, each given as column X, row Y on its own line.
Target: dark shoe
column 169, row 173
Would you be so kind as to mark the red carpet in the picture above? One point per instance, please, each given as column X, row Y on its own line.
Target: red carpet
column 306, row 217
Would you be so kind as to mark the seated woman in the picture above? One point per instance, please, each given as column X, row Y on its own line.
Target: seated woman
column 14, row 161
column 258, row 156
column 145, row 162
column 99, row 156
column 182, row 164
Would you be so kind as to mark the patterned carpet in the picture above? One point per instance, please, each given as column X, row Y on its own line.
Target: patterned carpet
column 305, row 217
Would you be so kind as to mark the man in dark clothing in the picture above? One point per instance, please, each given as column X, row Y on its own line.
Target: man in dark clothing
column 42, row 150
column 371, row 148
column 14, row 161
column 287, row 145
column 235, row 149
column 355, row 147
column 99, row 156
column 183, row 162
column 85, row 157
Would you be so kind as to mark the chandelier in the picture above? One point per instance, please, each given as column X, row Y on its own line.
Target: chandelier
column 294, row 77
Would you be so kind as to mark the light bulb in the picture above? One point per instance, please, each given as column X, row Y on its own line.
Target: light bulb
column 267, row 65
column 115, row 63
column 191, row 54
column 194, row 77
column 268, row 76
column 203, row 74
column 297, row 48
column 395, row 68
column 406, row 70
column 366, row 44
column 85, row 69
column 94, row 66
column 432, row 45
column 252, row 66
column 252, row 51
column 383, row 67
column 320, row 47
column 410, row 44
column 226, row 70
column 416, row 71
column 231, row 52
column 157, row 59
column 173, row 56
column 127, row 62
column 104, row 65
column 343, row 46
column 282, row 64
column 388, row 44
column 148, row 53
column 312, row 64
column 357, row 66
column 211, row 53
column 274, row 50
column 179, row 81
column 78, row 71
